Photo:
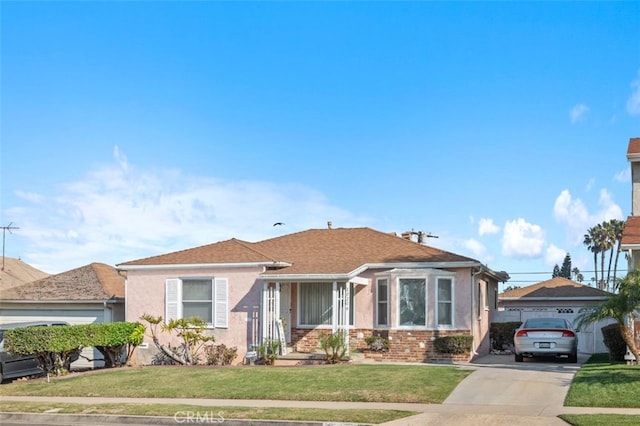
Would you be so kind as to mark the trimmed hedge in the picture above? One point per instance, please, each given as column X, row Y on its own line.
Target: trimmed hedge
column 455, row 344
column 614, row 342
column 502, row 334
column 56, row 347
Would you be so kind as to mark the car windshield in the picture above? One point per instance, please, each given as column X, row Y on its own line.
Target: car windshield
column 545, row 323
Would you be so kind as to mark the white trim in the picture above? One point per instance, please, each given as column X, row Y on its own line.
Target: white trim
column 409, row 266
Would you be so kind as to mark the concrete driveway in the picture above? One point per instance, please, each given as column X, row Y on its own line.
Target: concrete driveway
column 501, row 391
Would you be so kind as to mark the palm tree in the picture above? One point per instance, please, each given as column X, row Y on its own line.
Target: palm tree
column 620, row 306
column 609, row 244
column 590, row 242
column 618, row 229
column 577, row 275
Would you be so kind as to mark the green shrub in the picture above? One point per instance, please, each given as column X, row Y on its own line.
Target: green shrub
column 456, row 344
column 614, row 342
column 502, row 334
column 333, row 345
column 115, row 341
column 56, row 347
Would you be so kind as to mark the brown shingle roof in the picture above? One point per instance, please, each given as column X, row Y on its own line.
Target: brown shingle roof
column 17, row 272
column 631, row 231
column 95, row 281
column 555, row 287
column 315, row 251
column 229, row 251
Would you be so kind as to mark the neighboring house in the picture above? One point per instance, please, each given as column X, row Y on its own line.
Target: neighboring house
column 630, row 242
column 558, row 297
column 15, row 272
column 92, row 293
column 319, row 281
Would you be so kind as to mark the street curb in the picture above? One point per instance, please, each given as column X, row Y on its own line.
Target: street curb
column 194, row 419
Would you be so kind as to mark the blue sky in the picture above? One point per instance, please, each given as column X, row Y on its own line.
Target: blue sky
column 131, row 129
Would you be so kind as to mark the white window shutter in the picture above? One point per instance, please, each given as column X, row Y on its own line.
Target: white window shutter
column 221, row 303
column 172, row 299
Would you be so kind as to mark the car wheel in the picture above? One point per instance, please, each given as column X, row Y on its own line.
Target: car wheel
column 573, row 357
column 519, row 358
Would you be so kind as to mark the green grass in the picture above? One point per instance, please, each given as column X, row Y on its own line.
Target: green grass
column 600, row 419
column 601, row 383
column 182, row 412
column 361, row 383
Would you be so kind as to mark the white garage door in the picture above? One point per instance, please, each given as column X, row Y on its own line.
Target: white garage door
column 72, row 316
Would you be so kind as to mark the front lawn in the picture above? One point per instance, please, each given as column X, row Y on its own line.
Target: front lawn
column 363, row 383
column 600, row 383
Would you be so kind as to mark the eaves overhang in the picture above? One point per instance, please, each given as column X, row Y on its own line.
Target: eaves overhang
column 627, row 247
column 202, row 266
column 350, row 275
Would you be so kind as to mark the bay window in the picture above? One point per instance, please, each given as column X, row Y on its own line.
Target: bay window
column 412, row 301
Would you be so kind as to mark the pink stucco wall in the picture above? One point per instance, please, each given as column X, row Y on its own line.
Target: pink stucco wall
column 146, row 294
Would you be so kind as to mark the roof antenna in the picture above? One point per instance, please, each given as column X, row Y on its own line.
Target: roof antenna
column 4, row 232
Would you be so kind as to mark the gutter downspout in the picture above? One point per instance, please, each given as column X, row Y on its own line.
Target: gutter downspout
column 473, row 293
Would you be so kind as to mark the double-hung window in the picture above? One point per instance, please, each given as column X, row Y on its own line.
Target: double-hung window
column 382, row 295
column 444, row 292
column 205, row 298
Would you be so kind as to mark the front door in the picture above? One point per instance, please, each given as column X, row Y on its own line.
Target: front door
column 285, row 309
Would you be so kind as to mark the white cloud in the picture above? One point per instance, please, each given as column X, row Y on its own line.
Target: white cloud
column 574, row 215
column 623, row 176
column 29, row 196
column 117, row 214
column 477, row 248
column 633, row 103
column 487, row 227
column 522, row 239
column 554, row 255
column 578, row 113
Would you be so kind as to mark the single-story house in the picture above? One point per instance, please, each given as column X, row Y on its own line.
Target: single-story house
column 356, row 280
column 92, row 293
column 558, row 297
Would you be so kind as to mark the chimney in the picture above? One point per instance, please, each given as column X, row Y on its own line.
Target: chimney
column 329, row 224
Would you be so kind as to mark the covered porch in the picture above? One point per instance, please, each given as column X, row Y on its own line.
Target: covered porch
column 296, row 313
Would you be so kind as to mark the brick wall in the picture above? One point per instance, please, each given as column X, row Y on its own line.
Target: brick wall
column 404, row 345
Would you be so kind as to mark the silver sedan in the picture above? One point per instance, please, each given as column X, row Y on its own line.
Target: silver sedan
column 546, row 337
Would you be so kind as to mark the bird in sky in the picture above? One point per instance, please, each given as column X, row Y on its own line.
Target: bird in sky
column 278, row 224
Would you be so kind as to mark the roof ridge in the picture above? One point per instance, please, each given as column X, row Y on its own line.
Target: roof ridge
column 250, row 246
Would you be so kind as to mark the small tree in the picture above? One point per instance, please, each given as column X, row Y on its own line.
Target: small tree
column 333, row 345
column 619, row 306
column 191, row 333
